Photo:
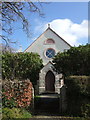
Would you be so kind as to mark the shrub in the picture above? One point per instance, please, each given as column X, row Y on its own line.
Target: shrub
column 75, row 61
column 17, row 93
column 82, row 82
column 78, row 95
column 8, row 101
column 21, row 66
column 85, row 110
column 81, row 118
column 10, row 114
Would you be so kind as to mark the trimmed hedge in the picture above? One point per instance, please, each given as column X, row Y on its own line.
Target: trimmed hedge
column 17, row 93
column 78, row 95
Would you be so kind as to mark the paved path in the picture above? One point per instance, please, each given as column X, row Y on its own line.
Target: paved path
column 47, row 107
column 54, row 118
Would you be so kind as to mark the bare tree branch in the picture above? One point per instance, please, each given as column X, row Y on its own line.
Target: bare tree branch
column 12, row 12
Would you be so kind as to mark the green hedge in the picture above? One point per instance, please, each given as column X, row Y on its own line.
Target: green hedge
column 75, row 61
column 78, row 95
column 21, row 66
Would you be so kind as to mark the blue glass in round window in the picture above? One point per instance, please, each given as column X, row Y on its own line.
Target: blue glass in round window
column 50, row 53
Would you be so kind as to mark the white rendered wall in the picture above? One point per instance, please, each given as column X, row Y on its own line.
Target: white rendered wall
column 40, row 47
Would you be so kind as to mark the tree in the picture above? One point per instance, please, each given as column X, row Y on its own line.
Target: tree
column 13, row 12
column 6, row 48
column 76, row 61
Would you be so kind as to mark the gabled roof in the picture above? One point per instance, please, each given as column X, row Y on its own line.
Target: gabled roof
column 48, row 63
column 60, row 37
column 36, row 39
column 45, row 32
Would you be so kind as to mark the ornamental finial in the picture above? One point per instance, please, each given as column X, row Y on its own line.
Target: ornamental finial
column 48, row 25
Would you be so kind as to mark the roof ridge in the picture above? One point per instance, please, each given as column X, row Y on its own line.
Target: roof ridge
column 43, row 33
column 60, row 36
column 36, row 39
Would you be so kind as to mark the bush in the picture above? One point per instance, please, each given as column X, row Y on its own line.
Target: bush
column 21, row 66
column 85, row 110
column 80, row 83
column 81, row 118
column 75, row 61
column 17, row 93
column 78, row 95
column 8, row 102
column 10, row 114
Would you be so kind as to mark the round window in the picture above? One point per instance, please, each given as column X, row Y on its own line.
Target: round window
column 50, row 53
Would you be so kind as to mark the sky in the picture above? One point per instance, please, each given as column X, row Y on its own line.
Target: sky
column 68, row 19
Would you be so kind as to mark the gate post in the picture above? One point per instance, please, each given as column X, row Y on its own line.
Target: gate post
column 63, row 101
column 32, row 102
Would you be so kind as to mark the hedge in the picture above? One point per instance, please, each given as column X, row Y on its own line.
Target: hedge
column 78, row 95
column 75, row 61
column 21, row 66
column 16, row 93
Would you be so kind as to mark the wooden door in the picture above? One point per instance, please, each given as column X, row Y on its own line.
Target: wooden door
column 50, row 81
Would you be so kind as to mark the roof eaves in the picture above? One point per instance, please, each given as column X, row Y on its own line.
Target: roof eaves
column 35, row 40
column 43, row 33
column 60, row 37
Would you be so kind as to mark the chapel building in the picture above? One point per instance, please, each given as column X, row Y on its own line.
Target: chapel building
column 47, row 45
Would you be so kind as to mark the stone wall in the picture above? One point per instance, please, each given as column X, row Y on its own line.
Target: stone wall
column 59, row 81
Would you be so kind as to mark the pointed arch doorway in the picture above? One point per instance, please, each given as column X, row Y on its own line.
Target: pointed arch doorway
column 50, row 82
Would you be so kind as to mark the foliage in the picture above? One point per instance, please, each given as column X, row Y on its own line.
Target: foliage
column 80, row 84
column 81, row 118
column 7, row 101
column 21, row 66
column 78, row 95
column 13, row 113
column 85, row 110
column 75, row 61
column 17, row 94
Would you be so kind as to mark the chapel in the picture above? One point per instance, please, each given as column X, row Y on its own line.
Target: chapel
column 47, row 45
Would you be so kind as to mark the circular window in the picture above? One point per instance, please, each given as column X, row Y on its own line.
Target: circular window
column 50, row 53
